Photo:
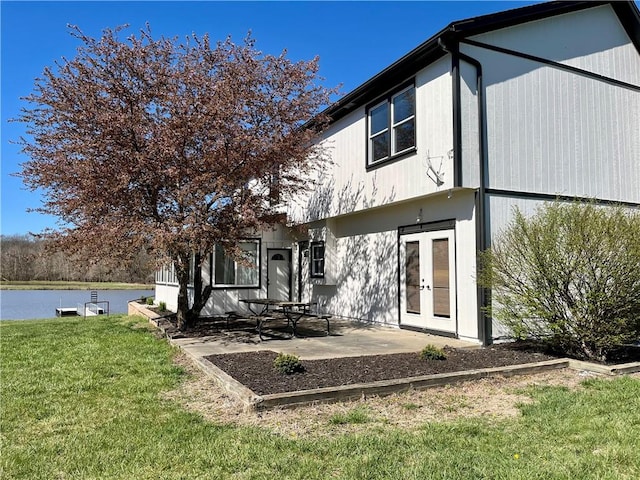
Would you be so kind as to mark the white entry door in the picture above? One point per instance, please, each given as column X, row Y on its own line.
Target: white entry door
column 427, row 281
column 279, row 274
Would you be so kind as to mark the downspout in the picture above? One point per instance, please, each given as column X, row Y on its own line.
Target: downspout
column 457, row 113
column 483, row 294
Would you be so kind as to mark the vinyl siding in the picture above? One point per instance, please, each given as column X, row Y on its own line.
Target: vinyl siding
column 346, row 186
column 469, row 124
column 592, row 40
column 556, row 132
column 365, row 285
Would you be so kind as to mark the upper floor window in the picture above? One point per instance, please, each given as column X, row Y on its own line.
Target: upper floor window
column 392, row 126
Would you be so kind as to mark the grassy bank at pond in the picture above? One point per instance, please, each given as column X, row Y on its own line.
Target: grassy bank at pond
column 83, row 399
column 41, row 285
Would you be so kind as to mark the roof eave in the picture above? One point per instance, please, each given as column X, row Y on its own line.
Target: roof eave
column 432, row 49
column 407, row 66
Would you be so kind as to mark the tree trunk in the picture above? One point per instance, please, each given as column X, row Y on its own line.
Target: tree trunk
column 188, row 315
column 183, row 314
column 200, row 294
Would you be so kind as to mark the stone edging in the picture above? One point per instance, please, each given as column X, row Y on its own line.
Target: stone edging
column 254, row 402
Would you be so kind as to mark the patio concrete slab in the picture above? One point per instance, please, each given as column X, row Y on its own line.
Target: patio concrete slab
column 347, row 339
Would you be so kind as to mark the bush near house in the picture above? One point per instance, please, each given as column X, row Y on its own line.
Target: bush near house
column 431, row 352
column 569, row 276
column 288, row 364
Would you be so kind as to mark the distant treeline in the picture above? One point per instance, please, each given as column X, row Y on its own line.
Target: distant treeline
column 24, row 258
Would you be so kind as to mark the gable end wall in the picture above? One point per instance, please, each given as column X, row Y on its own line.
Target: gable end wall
column 552, row 131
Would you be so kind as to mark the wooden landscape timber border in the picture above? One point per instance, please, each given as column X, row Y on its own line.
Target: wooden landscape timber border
column 159, row 321
column 137, row 309
column 254, row 402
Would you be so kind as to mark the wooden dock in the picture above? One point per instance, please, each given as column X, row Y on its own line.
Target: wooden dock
column 87, row 310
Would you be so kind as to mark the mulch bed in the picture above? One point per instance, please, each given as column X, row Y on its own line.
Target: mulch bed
column 255, row 370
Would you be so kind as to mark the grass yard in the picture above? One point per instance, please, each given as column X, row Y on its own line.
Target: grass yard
column 85, row 399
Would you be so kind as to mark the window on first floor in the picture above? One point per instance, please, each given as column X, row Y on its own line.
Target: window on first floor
column 316, row 262
column 392, row 126
column 167, row 273
column 243, row 272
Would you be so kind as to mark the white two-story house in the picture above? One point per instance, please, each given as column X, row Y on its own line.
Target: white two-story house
column 430, row 156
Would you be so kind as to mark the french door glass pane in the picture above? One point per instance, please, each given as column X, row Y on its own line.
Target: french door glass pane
column 440, row 249
column 413, row 277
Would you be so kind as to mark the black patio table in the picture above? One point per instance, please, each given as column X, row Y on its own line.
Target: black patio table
column 293, row 312
column 263, row 304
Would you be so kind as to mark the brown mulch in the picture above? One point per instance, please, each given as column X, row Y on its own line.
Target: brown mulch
column 255, row 370
column 496, row 397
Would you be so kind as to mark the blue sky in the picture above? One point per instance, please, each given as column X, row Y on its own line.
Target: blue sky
column 355, row 40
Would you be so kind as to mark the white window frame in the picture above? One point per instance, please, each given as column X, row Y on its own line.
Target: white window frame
column 236, row 266
column 394, row 126
column 166, row 275
column 314, row 248
column 373, row 135
column 391, row 128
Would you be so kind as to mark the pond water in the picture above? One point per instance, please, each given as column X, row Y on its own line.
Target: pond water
column 32, row 304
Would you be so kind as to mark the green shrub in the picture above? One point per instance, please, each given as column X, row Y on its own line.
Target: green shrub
column 431, row 352
column 150, row 301
column 568, row 276
column 162, row 306
column 288, row 364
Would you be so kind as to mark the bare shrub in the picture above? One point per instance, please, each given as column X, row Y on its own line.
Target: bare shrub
column 568, row 275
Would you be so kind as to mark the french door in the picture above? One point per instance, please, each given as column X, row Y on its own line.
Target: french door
column 427, row 281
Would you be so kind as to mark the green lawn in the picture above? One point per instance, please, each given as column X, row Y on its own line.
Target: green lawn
column 81, row 399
